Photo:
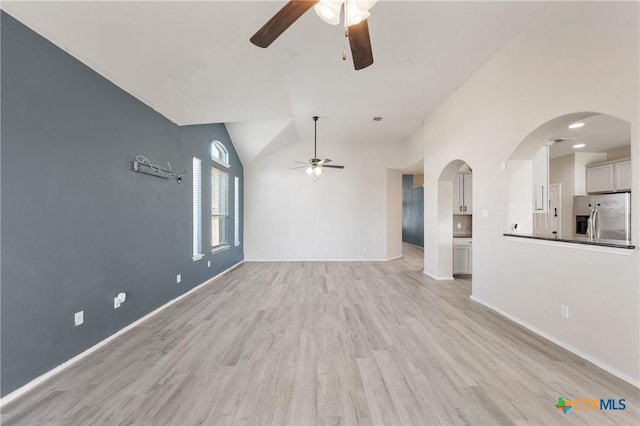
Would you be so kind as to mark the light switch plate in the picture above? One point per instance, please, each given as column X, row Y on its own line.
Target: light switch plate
column 179, row 278
column 78, row 318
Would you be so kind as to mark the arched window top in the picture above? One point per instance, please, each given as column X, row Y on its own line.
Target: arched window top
column 219, row 153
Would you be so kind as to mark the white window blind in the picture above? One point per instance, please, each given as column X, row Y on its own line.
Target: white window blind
column 236, row 210
column 219, row 208
column 197, row 209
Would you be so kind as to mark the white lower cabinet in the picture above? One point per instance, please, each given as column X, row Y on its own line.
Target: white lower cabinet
column 462, row 256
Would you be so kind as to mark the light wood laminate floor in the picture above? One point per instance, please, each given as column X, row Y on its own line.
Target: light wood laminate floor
column 326, row 343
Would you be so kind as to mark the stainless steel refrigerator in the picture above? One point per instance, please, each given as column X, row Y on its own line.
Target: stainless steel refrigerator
column 604, row 216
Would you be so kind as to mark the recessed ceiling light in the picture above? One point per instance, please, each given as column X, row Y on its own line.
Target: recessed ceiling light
column 576, row 125
column 377, row 118
column 579, row 145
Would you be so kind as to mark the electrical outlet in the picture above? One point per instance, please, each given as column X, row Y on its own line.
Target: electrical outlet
column 459, row 225
column 208, row 264
column 564, row 311
column 78, row 318
column 179, row 278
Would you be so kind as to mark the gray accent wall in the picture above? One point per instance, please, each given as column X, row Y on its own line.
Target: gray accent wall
column 78, row 225
column 412, row 212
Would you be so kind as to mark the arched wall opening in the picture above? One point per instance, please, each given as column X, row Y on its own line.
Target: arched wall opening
column 445, row 218
column 552, row 165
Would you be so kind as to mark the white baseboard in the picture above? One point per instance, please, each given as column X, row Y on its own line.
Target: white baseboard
column 606, row 367
column 44, row 377
column 324, row 260
column 317, row 260
column 436, row 278
column 413, row 245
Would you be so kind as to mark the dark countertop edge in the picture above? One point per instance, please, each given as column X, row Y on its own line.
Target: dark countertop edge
column 566, row 240
column 462, row 236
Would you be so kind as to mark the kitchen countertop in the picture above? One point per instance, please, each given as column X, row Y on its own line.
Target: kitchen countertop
column 576, row 239
column 462, row 236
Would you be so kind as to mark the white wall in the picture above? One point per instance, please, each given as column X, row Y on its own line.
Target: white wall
column 413, row 147
column 575, row 56
column 342, row 216
column 581, row 160
column 619, row 152
column 520, row 196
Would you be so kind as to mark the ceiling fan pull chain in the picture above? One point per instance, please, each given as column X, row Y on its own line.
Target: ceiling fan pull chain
column 346, row 33
column 344, row 43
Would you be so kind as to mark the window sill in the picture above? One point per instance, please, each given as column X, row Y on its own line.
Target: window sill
column 215, row 160
column 220, row 248
column 197, row 257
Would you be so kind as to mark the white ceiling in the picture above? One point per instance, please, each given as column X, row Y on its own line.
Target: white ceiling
column 193, row 62
column 600, row 133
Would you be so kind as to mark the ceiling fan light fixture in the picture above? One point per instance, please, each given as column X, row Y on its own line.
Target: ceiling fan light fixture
column 354, row 14
column 318, row 171
column 365, row 5
column 356, row 29
column 309, row 171
column 329, row 11
column 357, row 10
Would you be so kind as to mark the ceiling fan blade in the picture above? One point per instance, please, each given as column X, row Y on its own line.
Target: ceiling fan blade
column 280, row 22
column 325, row 161
column 301, row 162
column 360, row 45
column 299, row 167
column 332, row 166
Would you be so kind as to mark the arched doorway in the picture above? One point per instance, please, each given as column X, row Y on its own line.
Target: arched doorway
column 453, row 174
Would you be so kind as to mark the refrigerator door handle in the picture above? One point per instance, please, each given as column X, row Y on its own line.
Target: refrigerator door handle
column 595, row 224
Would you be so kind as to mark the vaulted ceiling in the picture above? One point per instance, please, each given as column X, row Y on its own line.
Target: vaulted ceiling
column 193, row 62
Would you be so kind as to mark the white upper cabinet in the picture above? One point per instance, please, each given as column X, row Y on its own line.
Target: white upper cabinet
column 467, row 197
column 609, row 177
column 462, row 197
column 457, row 194
column 622, row 175
column 600, row 178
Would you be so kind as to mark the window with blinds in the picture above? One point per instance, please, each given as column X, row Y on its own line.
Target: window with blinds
column 197, row 209
column 219, row 208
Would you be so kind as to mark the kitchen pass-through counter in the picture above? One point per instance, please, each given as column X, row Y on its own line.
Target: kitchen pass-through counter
column 576, row 240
